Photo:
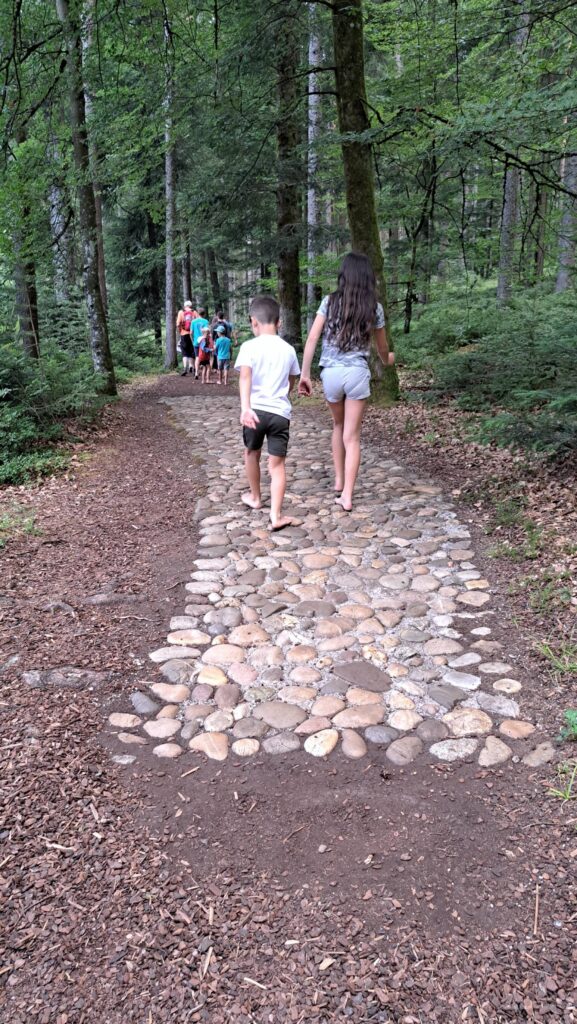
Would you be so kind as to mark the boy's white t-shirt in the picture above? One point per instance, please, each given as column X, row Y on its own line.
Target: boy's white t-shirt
column 272, row 361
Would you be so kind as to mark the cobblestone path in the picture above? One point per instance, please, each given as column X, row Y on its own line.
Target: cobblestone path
column 344, row 633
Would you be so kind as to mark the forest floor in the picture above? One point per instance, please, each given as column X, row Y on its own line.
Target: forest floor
column 287, row 887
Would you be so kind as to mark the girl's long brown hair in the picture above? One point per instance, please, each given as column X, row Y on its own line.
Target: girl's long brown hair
column 353, row 306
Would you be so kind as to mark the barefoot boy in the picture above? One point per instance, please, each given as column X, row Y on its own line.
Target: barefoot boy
column 268, row 369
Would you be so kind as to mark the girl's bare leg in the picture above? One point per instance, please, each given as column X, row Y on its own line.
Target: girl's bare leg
column 338, row 449
column 353, row 418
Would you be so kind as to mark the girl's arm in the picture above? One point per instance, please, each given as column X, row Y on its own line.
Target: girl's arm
column 305, row 385
column 387, row 358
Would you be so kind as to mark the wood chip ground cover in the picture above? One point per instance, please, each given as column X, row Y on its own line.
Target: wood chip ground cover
column 156, row 894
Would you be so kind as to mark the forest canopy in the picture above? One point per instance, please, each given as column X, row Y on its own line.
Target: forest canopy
column 159, row 151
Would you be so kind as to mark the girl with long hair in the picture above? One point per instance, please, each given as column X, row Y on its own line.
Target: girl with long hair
column 347, row 320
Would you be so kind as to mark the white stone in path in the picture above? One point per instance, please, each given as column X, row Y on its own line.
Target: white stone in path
column 162, row 728
column 321, row 743
column 213, row 744
column 172, row 693
column 168, row 653
column 353, row 745
column 454, row 750
column 122, row 721
column 494, row 752
column 507, row 686
column 189, row 638
column 170, row 750
column 468, row 722
column 246, row 747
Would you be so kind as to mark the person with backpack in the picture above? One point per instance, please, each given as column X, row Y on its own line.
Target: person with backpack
column 183, row 325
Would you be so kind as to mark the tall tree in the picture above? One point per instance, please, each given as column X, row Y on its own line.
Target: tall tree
column 170, row 358
column 568, row 227
column 354, row 126
column 98, row 328
column 290, row 178
column 313, row 134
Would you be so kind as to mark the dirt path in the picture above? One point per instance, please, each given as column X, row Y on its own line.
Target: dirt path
column 274, row 888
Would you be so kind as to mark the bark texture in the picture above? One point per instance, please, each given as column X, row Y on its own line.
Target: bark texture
column 290, row 179
column 313, row 132
column 348, row 36
column 26, row 302
column 98, row 329
column 95, row 160
column 214, row 279
column 568, row 228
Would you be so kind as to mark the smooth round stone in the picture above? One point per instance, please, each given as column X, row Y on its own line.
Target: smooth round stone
column 201, row 693
column 381, row 735
column 249, row 635
column 404, row 721
column 297, row 694
column 170, row 750
column 227, row 617
column 462, row 680
column 474, row 598
column 257, row 694
column 189, row 730
column 242, row 674
column 357, row 696
column 353, row 745
column 197, row 712
column 318, row 561
column 321, row 743
column 507, row 686
column 515, row 730
column 211, row 676
column 404, row 750
column 201, row 587
column 249, row 728
column 303, row 675
column 189, row 638
column 282, row 743
column 280, row 715
column 400, row 702
column 177, row 671
column 123, row 759
column 425, row 584
column 432, row 731
column 246, row 747
column 496, row 704
column 143, row 704
column 129, row 737
column 314, row 724
column 468, row 722
column 268, row 656
column 171, row 693
column 336, row 643
column 213, row 744
column 326, row 629
column 301, row 653
column 218, row 721
column 318, row 609
column 465, row 660
column 494, row 752
column 118, row 720
column 271, row 675
column 308, row 592
column 223, row 654
column 227, row 696
column 454, row 750
column 442, row 645
column 182, row 622
column 327, row 706
column 167, row 654
column 481, row 631
column 162, row 728
column 214, row 540
column 360, row 717
column 495, row 668
column 357, row 612
column 168, row 711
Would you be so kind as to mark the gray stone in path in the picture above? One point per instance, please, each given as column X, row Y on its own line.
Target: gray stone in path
column 365, row 675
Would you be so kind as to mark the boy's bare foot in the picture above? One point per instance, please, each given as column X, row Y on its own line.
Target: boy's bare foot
column 247, row 499
column 346, row 507
column 279, row 524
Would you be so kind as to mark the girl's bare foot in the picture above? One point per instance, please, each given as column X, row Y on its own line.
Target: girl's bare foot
column 279, row 524
column 247, row 499
column 346, row 506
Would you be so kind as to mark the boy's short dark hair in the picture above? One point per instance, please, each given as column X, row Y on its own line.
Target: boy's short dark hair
column 201, row 311
column 265, row 309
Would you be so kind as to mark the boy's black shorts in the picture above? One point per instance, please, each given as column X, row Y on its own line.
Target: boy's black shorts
column 272, row 426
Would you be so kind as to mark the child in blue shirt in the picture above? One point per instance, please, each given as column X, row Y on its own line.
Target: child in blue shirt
column 223, row 346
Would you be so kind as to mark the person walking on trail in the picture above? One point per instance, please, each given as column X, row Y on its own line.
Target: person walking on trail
column 347, row 320
column 198, row 323
column 205, row 350
column 223, row 349
column 183, row 325
column 268, row 369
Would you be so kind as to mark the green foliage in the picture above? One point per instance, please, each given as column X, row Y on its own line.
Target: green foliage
column 16, row 520
column 569, row 730
column 566, row 788
column 518, row 364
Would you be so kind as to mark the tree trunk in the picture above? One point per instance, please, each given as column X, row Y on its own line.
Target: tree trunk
column 508, row 233
column 95, row 161
column 214, row 281
column 204, row 279
column 170, row 358
column 347, row 18
column 567, row 230
column 186, row 272
column 60, row 215
column 26, row 302
column 313, row 132
column 98, row 328
column 288, row 198
column 154, row 282
column 539, row 256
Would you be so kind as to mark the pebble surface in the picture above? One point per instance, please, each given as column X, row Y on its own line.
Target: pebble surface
column 342, row 633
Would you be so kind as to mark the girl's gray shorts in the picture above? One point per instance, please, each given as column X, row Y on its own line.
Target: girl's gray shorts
column 346, row 382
